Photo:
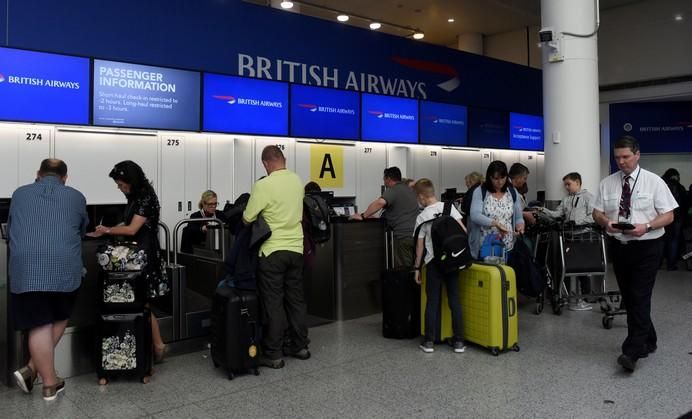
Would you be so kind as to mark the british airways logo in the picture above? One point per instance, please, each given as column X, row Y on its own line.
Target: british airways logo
column 521, row 128
column 39, row 82
column 326, row 109
column 444, row 121
column 248, row 101
column 431, row 67
column 391, row 115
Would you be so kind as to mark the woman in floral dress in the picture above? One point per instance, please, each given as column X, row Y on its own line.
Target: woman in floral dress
column 141, row 225
column 499, row 213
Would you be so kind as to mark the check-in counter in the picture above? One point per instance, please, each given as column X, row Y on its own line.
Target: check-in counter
column 344, row 281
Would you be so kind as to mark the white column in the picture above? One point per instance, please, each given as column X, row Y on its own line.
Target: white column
column 470, row 42
column 570, row 95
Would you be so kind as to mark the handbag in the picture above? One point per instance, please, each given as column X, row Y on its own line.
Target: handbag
column 123, row 256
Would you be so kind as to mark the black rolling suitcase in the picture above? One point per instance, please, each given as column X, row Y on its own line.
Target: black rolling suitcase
column 124, row 342
column 122, row 292
column 235, row 330
column 400, row 299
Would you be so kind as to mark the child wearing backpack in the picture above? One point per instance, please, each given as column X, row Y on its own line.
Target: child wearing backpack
column 435, row 269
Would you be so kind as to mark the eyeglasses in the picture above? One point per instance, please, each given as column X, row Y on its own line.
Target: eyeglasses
column 211, row 204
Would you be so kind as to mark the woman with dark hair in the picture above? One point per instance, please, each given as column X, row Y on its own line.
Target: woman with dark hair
column 141, row 225
column 495, row 209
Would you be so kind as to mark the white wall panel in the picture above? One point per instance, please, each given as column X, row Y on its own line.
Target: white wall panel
column 221, row 167
column 508, row 156
column 196, row 170
column 529, row 159
column 426, row 164
column 33, row 143
column 455, row 165
column 540, row 172
column 90, row 156
column 371, row 160
column 243, row 165
column 659, row 163
column 399, row 156
column 9, row 162
column 171, row 191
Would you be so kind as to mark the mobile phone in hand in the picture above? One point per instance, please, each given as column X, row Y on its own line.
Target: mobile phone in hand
column 622, row 226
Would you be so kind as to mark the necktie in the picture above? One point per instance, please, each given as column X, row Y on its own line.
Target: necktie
column 625, row 199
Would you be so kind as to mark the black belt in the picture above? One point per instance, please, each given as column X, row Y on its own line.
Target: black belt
column 635, row 242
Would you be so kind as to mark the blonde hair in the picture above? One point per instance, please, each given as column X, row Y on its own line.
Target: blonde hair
column 206, row 195
column 475, row 178
column 424, row 186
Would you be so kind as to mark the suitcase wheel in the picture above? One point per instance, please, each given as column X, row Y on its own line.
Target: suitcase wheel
column 255, row 371
column 516, row 348
column 230, row 375
column 494, row 351
column 607, row 322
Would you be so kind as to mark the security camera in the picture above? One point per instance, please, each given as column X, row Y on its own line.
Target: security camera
column 546, row 34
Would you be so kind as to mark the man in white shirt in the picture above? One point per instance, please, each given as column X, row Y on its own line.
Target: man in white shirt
column 634, row 205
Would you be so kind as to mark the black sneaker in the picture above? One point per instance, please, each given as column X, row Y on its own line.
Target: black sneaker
column 51, row 392
column 299, row 353
column 271, row 363
column 459, row 346
column 25, row 377
column 427, row 346
column 627, row 363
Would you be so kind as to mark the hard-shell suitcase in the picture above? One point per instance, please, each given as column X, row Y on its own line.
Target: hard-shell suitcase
column 235, row 330
column 488, row 296
column 125, row 347
column 122, row 292
column 400, row 313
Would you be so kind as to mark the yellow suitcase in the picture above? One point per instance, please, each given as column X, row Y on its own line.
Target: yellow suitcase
column 488, row 304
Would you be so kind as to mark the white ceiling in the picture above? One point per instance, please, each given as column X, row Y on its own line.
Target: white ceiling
column 471, row 16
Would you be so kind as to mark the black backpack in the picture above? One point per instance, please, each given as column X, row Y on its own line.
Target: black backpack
column 316, row 213
column 450, row 242
column 530, row 281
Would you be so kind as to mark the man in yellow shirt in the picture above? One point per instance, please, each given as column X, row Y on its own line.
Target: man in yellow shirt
column 278, row 198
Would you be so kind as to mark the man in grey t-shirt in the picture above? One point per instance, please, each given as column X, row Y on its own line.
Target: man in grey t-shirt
column 400, row 211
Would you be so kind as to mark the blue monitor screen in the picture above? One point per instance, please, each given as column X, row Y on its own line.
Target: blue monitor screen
column 389, row 119
column 246, row 106
column 526, row 132
column 443, row 124
column 318, row 112
column 488, row 128
column 40, row 87
column 132, row 95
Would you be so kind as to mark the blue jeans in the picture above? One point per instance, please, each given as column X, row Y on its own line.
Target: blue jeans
column 433, row 291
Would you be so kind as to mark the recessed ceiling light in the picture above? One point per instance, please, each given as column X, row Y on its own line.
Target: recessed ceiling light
column 375, row 26
column 418, row 35
column 286, row 4
column 450, row 20
column 678, row 17
column 342, row 18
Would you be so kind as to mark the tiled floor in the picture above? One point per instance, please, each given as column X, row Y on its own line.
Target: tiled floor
column 566, row 368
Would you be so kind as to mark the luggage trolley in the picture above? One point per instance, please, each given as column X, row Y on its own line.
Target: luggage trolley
column 542, row 237
column 583, row 253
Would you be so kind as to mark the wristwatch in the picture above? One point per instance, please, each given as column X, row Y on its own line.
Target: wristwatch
column 649, row 228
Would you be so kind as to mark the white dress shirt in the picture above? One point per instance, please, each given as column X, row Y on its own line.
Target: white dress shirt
column 650, row 198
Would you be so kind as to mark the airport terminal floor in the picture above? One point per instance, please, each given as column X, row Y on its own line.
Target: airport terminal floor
column 566, row 368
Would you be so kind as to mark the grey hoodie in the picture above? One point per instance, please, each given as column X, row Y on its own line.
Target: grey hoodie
column 577, row 208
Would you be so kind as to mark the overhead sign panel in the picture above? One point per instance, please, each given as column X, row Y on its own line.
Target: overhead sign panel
column 443, row 124
column 245, row 106
column 140, row 96
column 318, row 112
column 41, row 87
column 525, row 132
column 389, row 119
column 488, row 128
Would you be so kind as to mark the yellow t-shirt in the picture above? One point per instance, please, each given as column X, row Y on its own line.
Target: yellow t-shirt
column 279, row 199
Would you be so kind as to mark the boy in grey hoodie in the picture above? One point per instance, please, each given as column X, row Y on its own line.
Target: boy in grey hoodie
column 576, row 207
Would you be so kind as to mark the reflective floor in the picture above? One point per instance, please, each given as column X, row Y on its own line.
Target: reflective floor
column 566, row 368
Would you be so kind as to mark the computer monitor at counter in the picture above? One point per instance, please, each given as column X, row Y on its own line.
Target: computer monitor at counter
column 342, row 206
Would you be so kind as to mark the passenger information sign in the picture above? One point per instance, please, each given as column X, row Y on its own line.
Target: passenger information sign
column 140, row 96
column 41, row 87
column 318, row 112
column 245, row 106
column 389, row 119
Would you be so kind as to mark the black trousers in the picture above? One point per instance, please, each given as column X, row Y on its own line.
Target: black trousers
column 280, row 286
column 636, row 264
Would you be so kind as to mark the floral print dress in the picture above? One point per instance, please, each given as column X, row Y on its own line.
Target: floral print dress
column 501, row 210
column 147, row 205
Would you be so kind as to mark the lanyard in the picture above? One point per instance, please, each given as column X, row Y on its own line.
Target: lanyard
column 636, row 179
